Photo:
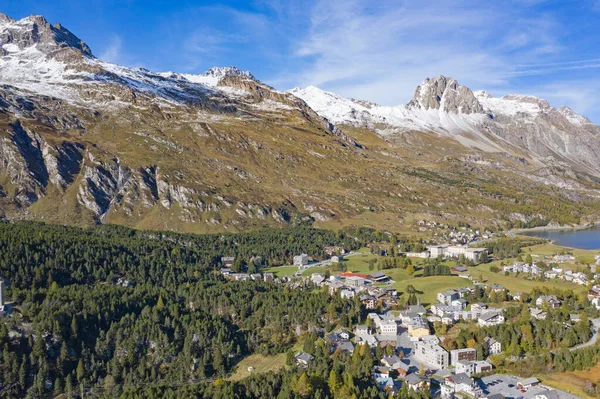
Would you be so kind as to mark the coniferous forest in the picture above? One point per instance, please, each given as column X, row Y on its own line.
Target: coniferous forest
column 110, row 311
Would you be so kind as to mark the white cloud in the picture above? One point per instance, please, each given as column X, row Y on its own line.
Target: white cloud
column 380, row 51
column 113, row 52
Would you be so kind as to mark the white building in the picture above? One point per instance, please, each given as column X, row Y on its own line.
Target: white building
column 490, row 319
column 432, row 354
column 494, row 347
column 301, row 260
column 337, row 258
column 388, row 327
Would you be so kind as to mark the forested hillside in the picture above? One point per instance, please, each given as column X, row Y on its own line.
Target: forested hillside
column 74, row 323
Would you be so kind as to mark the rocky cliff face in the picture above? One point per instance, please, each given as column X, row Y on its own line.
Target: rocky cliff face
column 85, row 141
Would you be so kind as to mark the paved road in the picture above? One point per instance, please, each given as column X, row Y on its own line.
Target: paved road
column 592, row 341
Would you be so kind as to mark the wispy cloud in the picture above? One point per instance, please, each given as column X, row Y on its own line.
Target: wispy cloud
column 113, row 52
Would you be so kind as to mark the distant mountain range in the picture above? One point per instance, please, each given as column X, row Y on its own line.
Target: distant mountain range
column 85, row 141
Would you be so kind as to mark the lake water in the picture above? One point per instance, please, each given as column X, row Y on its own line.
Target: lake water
column 584, row 239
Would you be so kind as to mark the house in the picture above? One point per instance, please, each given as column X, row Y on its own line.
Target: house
column 379, row 277
column 304, row 359
column 347, row 294
column 301, row 260
column 256, row 276
column 447, row 296
column 465, row 275
column 317, row 278
column 380, row 371
column 369, row 301
column 497, row 288
column 490, row 319
column 517, row 296
column 268, row 277
column 344, row 346
column 418, row 309
column 461, row 383
column 538, row 314
column 396, row 364
column 465, row 366
column 227, row 261
column 458, row 269
column 432, row 354
column 337, row 258
column 479, row 306
column 493, row 347
column 416, row 381
column 362, row 330
column 226, row 271
column 466, row 354
column 551, row 300
column 340, row 332
column 461, row 303
column 367, row 339
column 482, row 366
column 418, row 328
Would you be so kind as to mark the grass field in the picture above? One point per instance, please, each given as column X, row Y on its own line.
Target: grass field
column 260, row 363
column 582, row 256
column 282, row 271
column 573, row 381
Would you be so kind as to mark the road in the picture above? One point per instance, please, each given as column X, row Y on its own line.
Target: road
column 592, row 341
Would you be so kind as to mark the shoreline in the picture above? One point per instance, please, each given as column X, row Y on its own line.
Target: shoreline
column 556, row 228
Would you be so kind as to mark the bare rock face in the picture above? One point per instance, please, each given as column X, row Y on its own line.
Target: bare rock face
column 36, row 31
column 445, row 94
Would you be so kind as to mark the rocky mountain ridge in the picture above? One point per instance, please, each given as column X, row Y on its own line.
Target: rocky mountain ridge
column 512, row 124
column 86, row 141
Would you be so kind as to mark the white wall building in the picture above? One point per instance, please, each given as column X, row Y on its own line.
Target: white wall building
column 432, row 354
column 388, row 327
column 301, row 260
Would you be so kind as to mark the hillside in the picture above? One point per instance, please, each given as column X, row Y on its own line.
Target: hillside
column 85, row 141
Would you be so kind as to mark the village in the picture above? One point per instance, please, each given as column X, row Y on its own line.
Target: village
column 412, row 352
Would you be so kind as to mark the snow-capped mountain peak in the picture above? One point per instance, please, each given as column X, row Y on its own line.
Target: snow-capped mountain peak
column 36, row 31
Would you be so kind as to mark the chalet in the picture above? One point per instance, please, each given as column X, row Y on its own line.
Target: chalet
column 416, row 381
column 344, row 346
column 227, row 261
column 362, row 330
column 380, row 371
column 538, row 314
column 395, row 364
column 458, row 269
column 268, row 277
column 226, row 270
column 493, row 347
column 344, row 334
column 419, row 309
column 379, row 277
column 479, row 306
column 551, row 300
column 461, row 383
column 490, row 319
column 256, row 276
column 497, row 288
column 347, row 294
column 317, row 278
column 369, row 301
column 304, row 359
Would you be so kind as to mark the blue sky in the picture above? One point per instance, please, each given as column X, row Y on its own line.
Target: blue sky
column 372, row 50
